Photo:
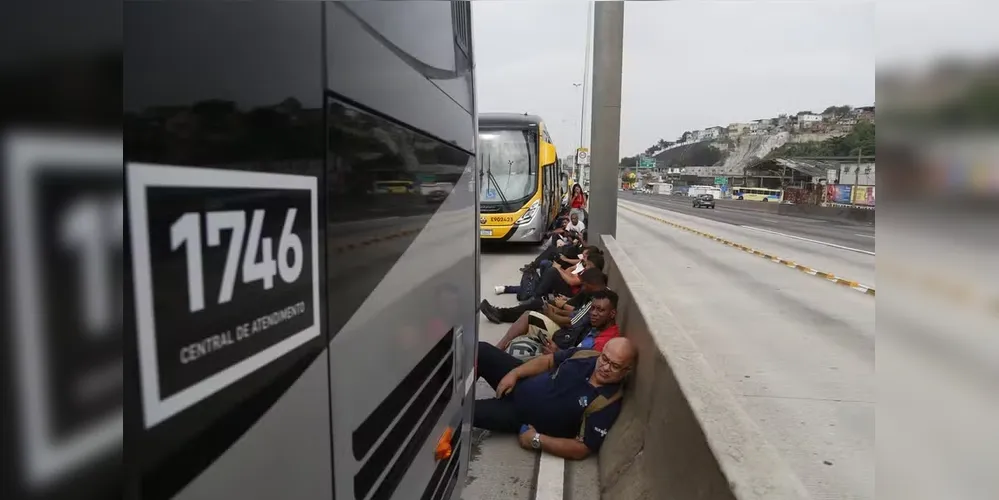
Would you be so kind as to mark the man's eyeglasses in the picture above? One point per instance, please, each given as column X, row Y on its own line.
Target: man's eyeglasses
column 615, row 367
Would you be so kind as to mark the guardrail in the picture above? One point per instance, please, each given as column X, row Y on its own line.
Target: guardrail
column 681, row 433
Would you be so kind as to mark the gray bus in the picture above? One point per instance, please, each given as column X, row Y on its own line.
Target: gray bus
column 290, row 332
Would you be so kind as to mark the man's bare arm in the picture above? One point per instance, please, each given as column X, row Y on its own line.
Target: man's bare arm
column 567, row 448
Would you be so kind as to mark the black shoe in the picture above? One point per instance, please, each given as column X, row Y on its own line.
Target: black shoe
column 489, row 312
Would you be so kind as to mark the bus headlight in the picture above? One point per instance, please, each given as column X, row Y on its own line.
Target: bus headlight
column 529, row 214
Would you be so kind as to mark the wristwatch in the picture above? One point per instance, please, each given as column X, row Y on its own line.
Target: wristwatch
column 536, row 441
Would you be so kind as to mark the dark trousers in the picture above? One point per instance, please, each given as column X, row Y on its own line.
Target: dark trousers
column 495, row 414
column 510, row 314
column 551, row 254
column 552, row 282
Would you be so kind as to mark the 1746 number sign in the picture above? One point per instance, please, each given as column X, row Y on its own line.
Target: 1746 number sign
column 225, row 267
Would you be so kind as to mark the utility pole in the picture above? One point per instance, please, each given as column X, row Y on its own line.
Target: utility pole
column 605, row 128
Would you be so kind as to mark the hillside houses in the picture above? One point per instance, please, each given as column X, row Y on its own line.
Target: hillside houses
column 834, row 121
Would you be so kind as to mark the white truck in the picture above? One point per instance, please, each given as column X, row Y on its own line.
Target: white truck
column 699, row 190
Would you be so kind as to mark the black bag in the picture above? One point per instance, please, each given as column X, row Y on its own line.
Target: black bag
column 528, row 283
column 570, row 336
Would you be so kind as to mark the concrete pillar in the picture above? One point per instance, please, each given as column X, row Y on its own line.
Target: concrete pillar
column 605, row 124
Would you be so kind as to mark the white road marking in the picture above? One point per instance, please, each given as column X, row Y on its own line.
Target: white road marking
column 865, row 235
column 826, row 243
column 551, row 478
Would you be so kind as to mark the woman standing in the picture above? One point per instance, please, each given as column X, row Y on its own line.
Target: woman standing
column 577, row 202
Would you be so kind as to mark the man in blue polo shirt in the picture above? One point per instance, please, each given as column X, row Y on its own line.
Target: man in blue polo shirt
column 563, row 403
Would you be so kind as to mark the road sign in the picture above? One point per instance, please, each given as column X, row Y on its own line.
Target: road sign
column 721, row 180
column 582, row 156
column 646, row 162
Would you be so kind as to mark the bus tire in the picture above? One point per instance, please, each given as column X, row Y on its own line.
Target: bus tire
column 740, row 198
column 765, row 200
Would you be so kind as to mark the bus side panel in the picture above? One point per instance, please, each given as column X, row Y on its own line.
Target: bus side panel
column 390, row 71
column 234, row 87
column 401, row 271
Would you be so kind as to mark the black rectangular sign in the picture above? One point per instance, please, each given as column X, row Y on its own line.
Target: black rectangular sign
column 225, row 266
column 63, row 224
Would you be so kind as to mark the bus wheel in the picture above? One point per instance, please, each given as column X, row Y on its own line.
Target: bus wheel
column 765, row 200
column 740, row 198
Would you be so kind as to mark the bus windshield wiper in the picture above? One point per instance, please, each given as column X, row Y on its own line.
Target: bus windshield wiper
column 494, row 182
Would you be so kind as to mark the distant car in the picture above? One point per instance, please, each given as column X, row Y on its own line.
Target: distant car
column 437, row 196
column 704, row 201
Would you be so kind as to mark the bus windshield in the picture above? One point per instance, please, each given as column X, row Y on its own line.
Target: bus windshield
column 508, row 165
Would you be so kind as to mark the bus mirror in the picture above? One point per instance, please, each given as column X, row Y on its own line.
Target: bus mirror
column 548, row 154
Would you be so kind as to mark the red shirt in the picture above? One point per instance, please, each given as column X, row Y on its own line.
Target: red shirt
column 601, row 338
column 578, row 201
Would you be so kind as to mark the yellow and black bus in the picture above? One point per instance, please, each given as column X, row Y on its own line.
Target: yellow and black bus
column 520, row 180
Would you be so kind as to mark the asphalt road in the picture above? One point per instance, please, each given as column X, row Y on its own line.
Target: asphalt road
column 796, row 350
column 746, row 213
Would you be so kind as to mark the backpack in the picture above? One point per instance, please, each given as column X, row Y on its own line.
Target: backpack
column 524, row 348
column 528, row 283
column 598, row 403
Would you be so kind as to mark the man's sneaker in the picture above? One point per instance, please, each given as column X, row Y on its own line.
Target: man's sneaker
column 500, row 289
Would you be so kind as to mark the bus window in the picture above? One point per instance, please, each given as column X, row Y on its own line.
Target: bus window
column 508, row 162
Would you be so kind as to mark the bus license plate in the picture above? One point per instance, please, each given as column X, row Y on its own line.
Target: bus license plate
column 485, row 232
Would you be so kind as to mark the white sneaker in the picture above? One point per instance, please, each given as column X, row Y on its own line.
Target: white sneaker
column 500, row 289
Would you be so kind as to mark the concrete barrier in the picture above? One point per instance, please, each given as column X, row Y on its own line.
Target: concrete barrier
column 681, row 433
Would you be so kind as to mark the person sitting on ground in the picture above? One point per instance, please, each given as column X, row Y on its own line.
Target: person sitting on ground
column 528, row 336
column 571, row 278
column 560, row 281
column 559, row 237
column 562, row 403
column 603, row 327
column 565, row 255
column 592, row 281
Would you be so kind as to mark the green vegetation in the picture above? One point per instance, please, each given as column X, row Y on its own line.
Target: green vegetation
column 696, row 154
column 860, row 140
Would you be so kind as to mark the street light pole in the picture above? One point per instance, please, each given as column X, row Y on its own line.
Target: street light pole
column 582, row 107
column 608, row 49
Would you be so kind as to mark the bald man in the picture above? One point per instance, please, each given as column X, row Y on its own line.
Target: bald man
column 563, row 403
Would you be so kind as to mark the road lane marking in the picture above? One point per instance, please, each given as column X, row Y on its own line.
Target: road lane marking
column 826, row 243
column 864, row 235
column 860, row 287
column 551, row 478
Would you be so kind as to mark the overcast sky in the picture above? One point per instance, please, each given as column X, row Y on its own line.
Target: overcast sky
column 690, row 65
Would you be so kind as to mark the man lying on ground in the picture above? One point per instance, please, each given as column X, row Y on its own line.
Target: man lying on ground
column 562, row 403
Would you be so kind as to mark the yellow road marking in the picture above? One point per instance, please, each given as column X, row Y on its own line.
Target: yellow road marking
column 869, row 290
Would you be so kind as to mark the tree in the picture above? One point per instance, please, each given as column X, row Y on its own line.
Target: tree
column 629, row 161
